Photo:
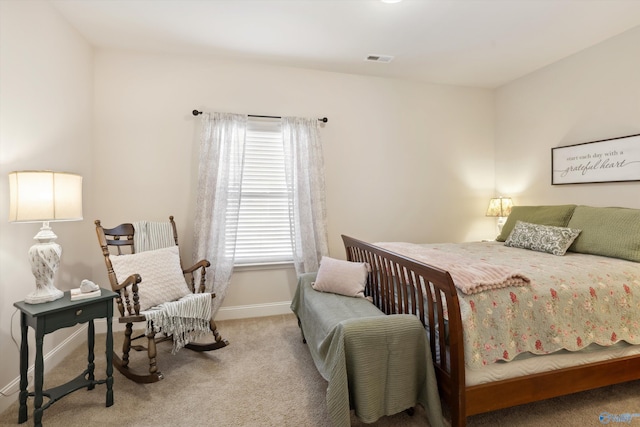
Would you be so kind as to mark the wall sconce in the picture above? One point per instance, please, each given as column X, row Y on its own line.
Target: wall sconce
column 46, row 196
column 500, row 207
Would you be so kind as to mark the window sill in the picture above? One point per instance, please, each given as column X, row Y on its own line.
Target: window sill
column 264, row 266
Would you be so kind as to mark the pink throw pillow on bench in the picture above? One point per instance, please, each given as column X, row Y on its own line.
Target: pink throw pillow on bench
column 341, row 277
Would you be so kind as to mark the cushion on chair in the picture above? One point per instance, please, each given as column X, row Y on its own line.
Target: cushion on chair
column 161, row 272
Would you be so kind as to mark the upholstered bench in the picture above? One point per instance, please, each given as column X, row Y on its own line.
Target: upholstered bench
column 375, row 364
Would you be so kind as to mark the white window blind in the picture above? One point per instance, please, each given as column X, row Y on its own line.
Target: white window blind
column 264, row 228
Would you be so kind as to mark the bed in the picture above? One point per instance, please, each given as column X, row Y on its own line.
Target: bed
column 487, row 354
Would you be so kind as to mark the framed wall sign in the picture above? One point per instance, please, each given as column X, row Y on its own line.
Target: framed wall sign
column 608, row 160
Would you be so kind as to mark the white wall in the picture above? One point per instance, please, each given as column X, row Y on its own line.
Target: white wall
column 46, row 93
column 403, row 160
column 590, row 96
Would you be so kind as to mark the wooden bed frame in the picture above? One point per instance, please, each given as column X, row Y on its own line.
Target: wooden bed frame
column 397, row 284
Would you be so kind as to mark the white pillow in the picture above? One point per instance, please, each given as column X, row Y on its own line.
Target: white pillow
column 162, row 278
column 341, row 277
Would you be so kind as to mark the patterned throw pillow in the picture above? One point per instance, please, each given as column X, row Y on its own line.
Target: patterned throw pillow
column 161, row 273
column 541, row 238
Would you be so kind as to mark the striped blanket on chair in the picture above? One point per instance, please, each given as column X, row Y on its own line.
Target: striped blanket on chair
column 186, row 319
column 152, row 235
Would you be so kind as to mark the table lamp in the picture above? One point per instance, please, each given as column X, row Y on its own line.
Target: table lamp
column 500, row 207
column 44, row 196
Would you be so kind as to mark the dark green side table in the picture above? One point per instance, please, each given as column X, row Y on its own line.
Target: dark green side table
column 51, row 316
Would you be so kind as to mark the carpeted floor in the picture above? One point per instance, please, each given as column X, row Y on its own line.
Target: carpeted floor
column 266, row 377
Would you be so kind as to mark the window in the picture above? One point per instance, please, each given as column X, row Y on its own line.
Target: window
column 283, row 217
column 264, row 228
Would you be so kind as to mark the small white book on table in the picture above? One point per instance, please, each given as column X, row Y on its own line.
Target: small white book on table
column 77, row 294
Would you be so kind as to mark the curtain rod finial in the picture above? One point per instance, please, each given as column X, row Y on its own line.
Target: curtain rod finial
column 196, row 112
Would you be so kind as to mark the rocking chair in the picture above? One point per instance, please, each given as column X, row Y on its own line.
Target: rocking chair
column 117, row 244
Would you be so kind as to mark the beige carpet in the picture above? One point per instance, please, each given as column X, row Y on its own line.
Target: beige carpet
column 266, row 377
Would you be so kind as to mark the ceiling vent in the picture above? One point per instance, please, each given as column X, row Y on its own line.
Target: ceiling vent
column 379, row 58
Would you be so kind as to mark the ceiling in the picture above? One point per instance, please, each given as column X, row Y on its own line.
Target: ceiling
column 478, row 43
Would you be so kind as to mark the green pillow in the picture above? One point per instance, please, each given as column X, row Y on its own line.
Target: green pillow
column 612, row 232
column 555, row 215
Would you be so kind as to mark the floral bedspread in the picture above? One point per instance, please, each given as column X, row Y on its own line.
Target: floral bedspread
column 572, row 301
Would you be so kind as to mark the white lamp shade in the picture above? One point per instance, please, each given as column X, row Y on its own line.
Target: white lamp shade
column 500, row 207
column 36, row 196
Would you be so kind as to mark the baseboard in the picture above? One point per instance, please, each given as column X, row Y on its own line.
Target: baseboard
column 224, row 313
column 254, row 310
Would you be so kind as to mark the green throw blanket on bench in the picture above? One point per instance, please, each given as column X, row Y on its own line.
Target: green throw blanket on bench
column 376, row 364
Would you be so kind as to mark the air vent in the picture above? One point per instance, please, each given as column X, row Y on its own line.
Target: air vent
column 379, row 58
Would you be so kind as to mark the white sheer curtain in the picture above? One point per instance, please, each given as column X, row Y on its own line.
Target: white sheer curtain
column 222, row 145
column 218, row 198
column 304, row 169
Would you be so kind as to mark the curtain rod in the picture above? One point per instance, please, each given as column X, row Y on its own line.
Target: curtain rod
column 323, row 120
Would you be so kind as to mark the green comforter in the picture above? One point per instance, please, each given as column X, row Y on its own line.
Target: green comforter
column 375, row 364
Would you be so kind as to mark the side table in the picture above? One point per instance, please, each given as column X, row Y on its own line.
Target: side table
column 51, row 316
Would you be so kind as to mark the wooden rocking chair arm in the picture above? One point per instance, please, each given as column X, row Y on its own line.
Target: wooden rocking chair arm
column 200, row 264
column 134, row 279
